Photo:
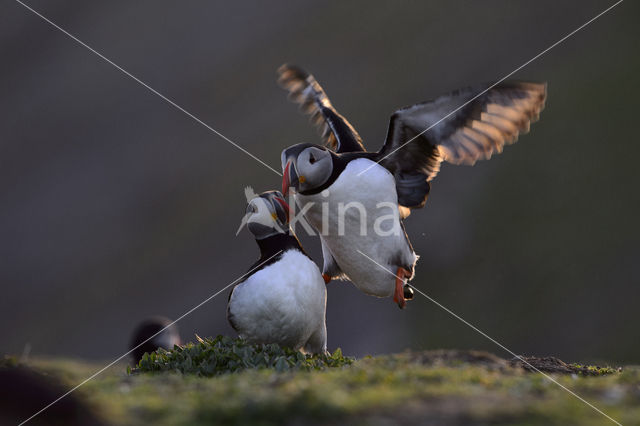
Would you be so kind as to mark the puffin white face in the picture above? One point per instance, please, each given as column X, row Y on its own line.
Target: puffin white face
column 167, row 339
column 267, row 215
column 308, row 170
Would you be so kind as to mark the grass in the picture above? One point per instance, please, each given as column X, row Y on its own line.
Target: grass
column 452, row 387
column 220, row 355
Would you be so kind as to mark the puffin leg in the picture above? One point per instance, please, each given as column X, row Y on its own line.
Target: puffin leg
column 326, row 278
column 398, row 295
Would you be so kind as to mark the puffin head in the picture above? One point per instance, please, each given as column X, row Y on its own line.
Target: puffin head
column 151, row 334
column 267, row 215
column 305, row 167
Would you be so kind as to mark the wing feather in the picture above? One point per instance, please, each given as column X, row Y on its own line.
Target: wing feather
column 337, row 132
column 461, row 128
column 482, row 127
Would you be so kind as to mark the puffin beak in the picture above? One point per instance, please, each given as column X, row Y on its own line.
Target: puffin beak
column 289, row 178
column 284, row 205
column 285, row 179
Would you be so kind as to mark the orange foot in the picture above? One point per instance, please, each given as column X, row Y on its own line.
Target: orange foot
column 398, row 294
column 326, row 278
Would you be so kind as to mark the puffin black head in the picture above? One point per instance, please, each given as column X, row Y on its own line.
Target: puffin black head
column 267, row 215
column 165, row 339
column 305, row 167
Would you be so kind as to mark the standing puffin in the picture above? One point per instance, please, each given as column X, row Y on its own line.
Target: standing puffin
column 283, row 301
column 335, row 186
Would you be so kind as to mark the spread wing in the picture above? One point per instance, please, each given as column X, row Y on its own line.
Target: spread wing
column 481, row 127
column 336, row 131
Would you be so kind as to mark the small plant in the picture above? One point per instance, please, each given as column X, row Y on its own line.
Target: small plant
column 223, row 354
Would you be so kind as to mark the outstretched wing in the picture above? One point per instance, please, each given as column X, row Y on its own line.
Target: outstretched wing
column 421, row 136
column 337, row 132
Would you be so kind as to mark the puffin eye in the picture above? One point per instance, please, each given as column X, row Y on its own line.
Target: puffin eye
column 251, row 208
column 311, row 159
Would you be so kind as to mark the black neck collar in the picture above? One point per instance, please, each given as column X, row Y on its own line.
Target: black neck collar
column 277, row 243
column 339, row 162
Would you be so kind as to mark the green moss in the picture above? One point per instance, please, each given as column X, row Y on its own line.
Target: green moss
column 213, row 356
column 593, row 370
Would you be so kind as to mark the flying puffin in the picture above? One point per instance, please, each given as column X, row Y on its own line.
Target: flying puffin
column 383, row 187
column 284, row 300
column 166, row 339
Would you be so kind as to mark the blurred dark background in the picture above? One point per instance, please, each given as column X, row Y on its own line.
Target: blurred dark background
column 115, row 206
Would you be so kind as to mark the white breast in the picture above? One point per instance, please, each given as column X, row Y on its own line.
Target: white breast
column 377, row 233
column 283, row 303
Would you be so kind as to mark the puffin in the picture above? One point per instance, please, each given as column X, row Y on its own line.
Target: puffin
column 283, row 299
column 357, row 199
column 166, row 339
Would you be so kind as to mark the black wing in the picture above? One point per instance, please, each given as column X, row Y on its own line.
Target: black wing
column 474, row 132
column 303, row 89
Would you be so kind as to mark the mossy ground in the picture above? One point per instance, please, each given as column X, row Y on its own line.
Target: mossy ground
column 451, row 387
